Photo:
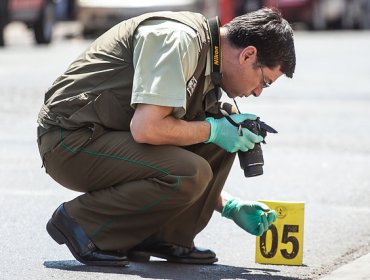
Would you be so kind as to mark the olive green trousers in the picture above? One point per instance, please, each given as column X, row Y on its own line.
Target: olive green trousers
column 132, row 191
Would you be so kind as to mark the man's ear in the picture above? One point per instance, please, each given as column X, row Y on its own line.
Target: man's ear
column 248, row 54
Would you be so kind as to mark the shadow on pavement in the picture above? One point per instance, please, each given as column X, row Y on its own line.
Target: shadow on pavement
column 172, row 271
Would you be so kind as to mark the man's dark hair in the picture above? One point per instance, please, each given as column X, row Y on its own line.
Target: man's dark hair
column 272, row 36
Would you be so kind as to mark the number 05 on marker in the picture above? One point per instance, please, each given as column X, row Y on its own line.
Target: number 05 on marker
column 282, row 243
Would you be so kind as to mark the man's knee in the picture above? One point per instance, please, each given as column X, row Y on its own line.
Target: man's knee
column 197, row 178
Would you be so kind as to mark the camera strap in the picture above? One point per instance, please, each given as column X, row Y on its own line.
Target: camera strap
column 216, row 74
column 214, row 28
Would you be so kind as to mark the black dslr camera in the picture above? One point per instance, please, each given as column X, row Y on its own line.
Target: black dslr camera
column 252, row 160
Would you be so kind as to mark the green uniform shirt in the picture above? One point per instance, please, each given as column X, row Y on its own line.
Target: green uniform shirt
column 163, row 63
column 124, row 67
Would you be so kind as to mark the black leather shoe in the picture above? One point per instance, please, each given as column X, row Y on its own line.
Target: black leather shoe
column 65, row 230
column 171, row 253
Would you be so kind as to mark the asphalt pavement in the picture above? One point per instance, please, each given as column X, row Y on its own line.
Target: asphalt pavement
column 321, row 156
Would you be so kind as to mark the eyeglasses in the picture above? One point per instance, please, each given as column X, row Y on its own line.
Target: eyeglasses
column 263, row 80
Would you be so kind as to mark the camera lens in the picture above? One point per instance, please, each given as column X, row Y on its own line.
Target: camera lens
column 253, row 170
column 252, row 161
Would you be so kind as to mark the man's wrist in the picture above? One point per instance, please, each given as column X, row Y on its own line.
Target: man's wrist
column 211, row 122
column 229, row 207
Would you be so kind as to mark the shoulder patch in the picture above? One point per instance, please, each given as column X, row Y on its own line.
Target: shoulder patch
column 192, row 83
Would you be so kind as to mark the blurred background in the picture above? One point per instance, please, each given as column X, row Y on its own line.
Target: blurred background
column 96, row 16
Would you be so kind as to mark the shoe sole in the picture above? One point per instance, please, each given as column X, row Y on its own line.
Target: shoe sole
column 61, row 239
column 144, row 256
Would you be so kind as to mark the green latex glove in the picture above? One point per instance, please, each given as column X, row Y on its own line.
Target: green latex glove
column 252, row 216
column 226, row 136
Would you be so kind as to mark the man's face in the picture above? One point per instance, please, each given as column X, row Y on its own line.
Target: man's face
column 242, row 76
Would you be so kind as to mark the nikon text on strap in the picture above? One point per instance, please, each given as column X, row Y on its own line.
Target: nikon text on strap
column 214, row 27
column 216, row 75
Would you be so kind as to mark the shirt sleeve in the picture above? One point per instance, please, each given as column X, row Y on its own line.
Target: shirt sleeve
column 165, row 57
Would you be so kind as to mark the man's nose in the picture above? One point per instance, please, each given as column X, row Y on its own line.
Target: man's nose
column 257, row 92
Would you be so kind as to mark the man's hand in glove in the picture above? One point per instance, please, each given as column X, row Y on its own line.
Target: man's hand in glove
column 226, row 136
column 252, row 216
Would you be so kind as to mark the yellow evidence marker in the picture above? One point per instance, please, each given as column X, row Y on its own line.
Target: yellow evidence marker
column 282, row 243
